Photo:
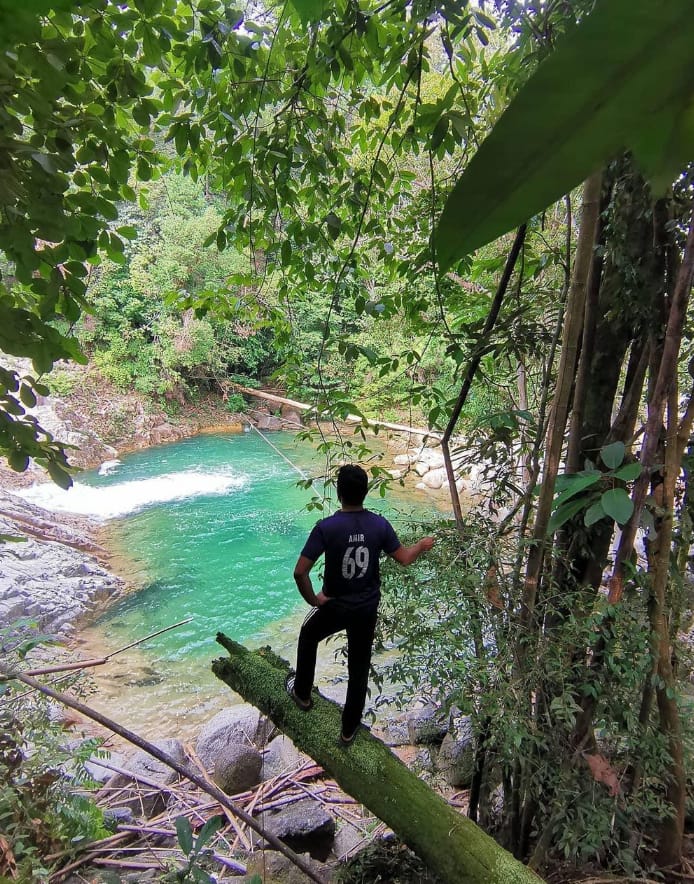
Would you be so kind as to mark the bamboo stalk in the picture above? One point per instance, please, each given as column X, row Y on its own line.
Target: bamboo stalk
column 99, row 661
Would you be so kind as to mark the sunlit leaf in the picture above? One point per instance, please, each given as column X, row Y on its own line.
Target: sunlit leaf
column 622, row 70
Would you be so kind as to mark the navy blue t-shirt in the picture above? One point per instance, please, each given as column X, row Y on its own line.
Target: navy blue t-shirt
column 352, row 543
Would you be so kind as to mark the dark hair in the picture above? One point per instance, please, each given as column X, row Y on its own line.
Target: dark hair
column 352, row 485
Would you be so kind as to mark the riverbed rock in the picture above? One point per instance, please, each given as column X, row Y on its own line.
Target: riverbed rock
column 426, row 725
column 269, row 422
column 237, row 767
column 148, row 798
column 51, row 574
column 435, row 478
column 393, row 729
column 291, row 415
column 236, row 724
column 273, row 867
column 280, row 756
column 304, row 826
column 456, row 756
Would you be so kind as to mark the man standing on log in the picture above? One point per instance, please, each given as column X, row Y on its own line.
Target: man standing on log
column 352, row 540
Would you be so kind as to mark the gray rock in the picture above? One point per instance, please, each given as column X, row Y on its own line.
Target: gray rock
column 281, row 755
column 393, row 730
column 426, row 725
column 98, row 772
column 273, row 867
column 305, row 826
column 456, row 757
column 235, row 724
column 237, row 768
column 348, row 840
column 116, row 816
column 268, row 422
column 146, row 800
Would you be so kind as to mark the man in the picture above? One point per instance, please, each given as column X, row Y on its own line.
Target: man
column 352, row 540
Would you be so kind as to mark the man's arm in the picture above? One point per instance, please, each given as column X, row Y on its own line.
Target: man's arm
column 302, row 575
column 406, row 555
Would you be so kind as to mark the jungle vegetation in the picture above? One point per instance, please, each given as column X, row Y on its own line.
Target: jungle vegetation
column 480, row 214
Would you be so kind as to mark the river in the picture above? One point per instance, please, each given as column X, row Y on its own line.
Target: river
column 205, row 530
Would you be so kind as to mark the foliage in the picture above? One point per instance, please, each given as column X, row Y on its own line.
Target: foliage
column 454, row 627
column 194, row 850
column 384, row 860
column 596, row 493
column 634, row 92
column 39, row 810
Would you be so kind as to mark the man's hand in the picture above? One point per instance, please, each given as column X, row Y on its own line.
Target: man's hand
column 321, row 599
column 406, row 555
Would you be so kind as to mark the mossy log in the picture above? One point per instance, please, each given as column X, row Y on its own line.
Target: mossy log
column 451, row 845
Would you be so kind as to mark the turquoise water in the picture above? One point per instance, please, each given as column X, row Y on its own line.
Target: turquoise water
column 208, row 528
column 223, row 557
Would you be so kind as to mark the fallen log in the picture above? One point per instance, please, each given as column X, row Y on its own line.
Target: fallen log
column 451, row 845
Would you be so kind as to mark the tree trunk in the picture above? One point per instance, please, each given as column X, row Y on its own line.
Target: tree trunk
column 573, row 327
column 451, row 845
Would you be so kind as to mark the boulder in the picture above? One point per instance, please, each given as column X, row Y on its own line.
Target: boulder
column 273, row 867
column 456, row 757
column 404, row 460
column 348, row 840
column 421, row 468
column 97, row 771
column 304, row 825
column 236, row 724
column 426, row 725
column 237, row 768
column 290, row 415
column 144, row 799
column 269, row 422
column 393, row 730
column 435, row 478
column 280, row 756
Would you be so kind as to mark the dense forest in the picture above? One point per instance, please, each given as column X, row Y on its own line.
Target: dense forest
column 475, row 217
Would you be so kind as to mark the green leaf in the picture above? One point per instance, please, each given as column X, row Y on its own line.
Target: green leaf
column 334, row 224
column 606, row 83
column 207, row 831
column 575, row 483
column 612, row 455
column 27, row 395
column 310, row 10
column 60, row 476
column 565, row 512
column 440, row 131
column 185, row 834
column 628, row 472
column 617, row 504
column 666, row 147
column 593, row 514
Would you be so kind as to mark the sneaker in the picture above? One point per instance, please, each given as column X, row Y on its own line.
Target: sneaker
column 348, row 739
column 304, row 705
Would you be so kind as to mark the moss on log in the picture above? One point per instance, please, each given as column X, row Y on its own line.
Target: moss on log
column 451, row 845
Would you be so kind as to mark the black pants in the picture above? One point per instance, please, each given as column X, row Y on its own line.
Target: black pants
column 360, row 624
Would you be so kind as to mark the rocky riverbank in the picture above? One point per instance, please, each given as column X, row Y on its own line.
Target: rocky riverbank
column 286, row 793
column 53, row 572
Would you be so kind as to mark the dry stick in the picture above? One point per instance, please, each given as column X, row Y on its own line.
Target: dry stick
column 239, row 831
column 99, row 661
column 166, row 759
column 473, row 365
